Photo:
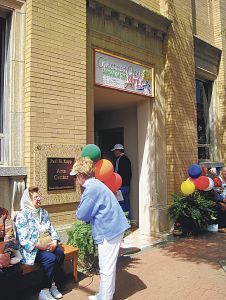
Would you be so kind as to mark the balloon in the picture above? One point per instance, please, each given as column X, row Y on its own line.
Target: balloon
column 211, row 184
column 92, row 151
column 187, row 187
column 103, row 169
column 194, row 171
column 202, row 183
column 114, row 182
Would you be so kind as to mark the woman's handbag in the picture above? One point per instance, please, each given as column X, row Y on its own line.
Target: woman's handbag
column 44, row 238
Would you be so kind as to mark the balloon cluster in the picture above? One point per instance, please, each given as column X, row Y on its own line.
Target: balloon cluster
column 104, row 170
column 197, row 180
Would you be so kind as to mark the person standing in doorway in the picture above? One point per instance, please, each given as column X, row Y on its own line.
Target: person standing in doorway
column 123, row 168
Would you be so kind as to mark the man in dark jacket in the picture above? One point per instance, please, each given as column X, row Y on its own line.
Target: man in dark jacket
column 123, row 168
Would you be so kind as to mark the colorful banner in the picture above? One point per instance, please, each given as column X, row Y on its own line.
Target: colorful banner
column 121, row 74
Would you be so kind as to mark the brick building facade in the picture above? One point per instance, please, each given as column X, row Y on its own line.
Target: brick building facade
column 51, row 105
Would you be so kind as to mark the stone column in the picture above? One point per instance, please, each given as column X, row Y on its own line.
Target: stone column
column 180, row 106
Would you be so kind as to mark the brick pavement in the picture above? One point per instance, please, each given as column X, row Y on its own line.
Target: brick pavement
column 185, row 269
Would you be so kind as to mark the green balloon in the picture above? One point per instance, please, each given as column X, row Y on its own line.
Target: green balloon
column 92, row 151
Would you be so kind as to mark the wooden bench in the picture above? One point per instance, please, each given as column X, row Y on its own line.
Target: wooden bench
column 71, row 253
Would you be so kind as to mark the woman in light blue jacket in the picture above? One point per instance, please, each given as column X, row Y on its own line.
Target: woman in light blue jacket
column 31, row 222
column 99, row 206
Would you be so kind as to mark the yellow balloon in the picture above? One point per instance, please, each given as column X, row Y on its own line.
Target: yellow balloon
column 187, row 187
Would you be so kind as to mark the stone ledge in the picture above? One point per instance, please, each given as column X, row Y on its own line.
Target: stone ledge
column 12, row 171
column 12, row 4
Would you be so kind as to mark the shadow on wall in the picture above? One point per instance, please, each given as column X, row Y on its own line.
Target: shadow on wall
column 181, row 118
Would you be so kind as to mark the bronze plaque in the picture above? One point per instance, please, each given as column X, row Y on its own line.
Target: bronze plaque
column 58, row 170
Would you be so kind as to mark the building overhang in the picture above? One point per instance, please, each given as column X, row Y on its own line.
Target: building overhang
column 12, row 4
column 207, row 59
column 139, row 16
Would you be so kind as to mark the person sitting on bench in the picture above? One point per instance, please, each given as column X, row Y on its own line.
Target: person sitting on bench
column 39, row 242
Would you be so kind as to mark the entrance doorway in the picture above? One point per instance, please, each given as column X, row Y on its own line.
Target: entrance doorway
column 107, row 138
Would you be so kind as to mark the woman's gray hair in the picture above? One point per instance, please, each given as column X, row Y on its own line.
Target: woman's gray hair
column 84, row 166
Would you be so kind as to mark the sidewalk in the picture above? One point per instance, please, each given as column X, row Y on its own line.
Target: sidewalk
column 188, row 268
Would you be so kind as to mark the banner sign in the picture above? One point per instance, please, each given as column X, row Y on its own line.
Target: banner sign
column 58, row 170
column 122, row 74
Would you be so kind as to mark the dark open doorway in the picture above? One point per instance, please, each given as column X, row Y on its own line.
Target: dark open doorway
column 107, row 138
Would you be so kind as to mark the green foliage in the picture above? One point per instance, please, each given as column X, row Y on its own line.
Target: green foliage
column 193, row 212
column 131, row 223
column 80, row 236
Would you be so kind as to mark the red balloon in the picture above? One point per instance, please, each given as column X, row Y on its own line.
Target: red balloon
column 114, row 182
column 103, row 169
column 201, row 183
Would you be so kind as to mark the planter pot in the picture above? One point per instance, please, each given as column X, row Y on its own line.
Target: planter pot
column 213, row 228
column 188, row 226
column 177, row 232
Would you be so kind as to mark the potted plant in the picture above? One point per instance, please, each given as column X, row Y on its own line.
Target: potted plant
column 80, row 236
column 192, row 213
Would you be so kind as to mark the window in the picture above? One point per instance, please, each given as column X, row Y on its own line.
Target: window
column 203, row 102
column 2, row 47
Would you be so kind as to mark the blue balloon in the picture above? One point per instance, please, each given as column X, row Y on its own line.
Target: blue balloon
column 194, row 171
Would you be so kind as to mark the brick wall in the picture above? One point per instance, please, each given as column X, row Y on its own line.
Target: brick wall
column 203, row 19
column 219, row 20
column 55, row 75
column 181, row 132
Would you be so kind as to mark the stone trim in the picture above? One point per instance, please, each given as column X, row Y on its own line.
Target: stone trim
column 12, row 4
column 131, row 14
column 12, row 171
column 212, row 164
column 207, row 59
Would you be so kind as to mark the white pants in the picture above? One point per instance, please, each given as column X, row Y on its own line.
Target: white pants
column 108, row 254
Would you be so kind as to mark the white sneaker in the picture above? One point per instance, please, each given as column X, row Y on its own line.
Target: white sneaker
column 93, row 297
column 45, row 295
column 54, row 292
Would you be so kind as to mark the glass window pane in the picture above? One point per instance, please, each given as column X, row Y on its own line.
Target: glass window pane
column 1, row 158
column 203, row 100
column 2, row 37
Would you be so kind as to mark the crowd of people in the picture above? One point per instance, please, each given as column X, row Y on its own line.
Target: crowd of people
column 219, row 193
column 33, row 234
column 38, row 242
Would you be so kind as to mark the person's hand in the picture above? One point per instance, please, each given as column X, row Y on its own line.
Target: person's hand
column 4, row 260
column 220, row 190
column 41, row 247
column 223, row 206
column 52, row 246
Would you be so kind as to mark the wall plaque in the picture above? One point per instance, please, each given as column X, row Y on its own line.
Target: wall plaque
column 58, row 170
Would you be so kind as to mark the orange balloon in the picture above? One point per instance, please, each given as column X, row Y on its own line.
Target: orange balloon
column 114, row 182
column 103, row 169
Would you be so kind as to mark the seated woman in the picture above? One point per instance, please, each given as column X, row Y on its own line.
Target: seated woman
column 32, row 224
